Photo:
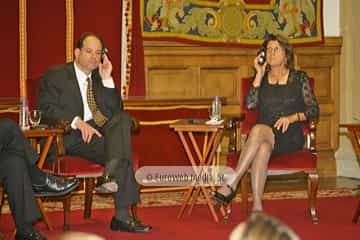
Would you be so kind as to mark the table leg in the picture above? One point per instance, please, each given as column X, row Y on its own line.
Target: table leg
column 185, row 202
column 40, row 165
column 43, row 213
column 45, row 151
column 210, row 204
column 209, row 149
column 194, row 198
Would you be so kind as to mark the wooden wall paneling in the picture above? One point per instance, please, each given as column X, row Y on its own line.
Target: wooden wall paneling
column 160, row 84
column 219, row 81
column 323, row 63
column 323, row 136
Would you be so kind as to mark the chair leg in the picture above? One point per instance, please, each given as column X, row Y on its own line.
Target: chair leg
column 313, row 182
column 227, row 211
column 89, row 188
column 67, row 207
column 43, row 213
column 2, row 200
column 133, row 210
column 244, row 193
column 356, row 214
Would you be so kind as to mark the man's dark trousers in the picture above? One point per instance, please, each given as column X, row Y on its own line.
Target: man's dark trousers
column 17, row 161
column 112, row 150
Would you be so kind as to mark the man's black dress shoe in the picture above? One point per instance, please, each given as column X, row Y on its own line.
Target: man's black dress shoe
column 106, row 184
column 222, row 198
column 55, row 186
column 132, row 225
column 31, row 235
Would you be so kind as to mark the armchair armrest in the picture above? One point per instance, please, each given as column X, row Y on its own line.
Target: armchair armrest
column 62, row 124
column 135, row 125
column 66, row 125
column 311, row 136
column 232, row 124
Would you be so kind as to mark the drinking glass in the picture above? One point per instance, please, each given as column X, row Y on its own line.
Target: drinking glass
column 213, row 113
column 34, row 118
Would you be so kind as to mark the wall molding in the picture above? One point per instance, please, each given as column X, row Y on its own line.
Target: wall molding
column 23, row 48
column 69, row 30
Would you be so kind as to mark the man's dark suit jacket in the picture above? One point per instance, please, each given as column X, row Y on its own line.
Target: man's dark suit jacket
column 60, row 97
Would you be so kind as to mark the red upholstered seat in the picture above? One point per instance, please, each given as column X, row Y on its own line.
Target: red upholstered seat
column 83, row 169
column 301, row 161
column 78, row 166
column 75, row 166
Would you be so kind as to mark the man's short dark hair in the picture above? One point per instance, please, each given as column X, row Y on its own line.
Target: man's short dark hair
column 80, row 42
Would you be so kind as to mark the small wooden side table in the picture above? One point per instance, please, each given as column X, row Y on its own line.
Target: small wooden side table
column 186, row 129
column 35, row 135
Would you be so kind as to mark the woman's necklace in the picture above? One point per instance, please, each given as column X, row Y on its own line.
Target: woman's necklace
column 280, row 79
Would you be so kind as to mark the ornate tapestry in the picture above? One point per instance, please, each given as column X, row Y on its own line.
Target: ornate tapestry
column 235, row 22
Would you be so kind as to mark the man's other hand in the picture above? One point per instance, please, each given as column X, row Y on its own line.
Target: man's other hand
column 87, row 131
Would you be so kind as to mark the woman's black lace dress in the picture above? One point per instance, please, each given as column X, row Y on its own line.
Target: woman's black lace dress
column 274, row 101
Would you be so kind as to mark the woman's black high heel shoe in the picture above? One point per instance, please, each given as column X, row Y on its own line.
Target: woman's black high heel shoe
column 221, row 198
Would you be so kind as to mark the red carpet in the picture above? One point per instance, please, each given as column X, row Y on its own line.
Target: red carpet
column 335, row 221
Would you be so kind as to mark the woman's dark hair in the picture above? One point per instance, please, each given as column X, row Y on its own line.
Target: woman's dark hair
column 80, row 42
column 284, row 43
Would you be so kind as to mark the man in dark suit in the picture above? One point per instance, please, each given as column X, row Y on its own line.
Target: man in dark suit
column 82, row 95
column 23, row 180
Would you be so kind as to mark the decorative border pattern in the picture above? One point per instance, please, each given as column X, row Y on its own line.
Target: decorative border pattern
column 23, row 48
column 69, row 30
column 165, row 198
column 126, row 39
column 232, row 22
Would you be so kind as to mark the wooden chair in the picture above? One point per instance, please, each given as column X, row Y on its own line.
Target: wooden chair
column 85, row 170
column 354, row 131
column 73, row 166
column 289, row 163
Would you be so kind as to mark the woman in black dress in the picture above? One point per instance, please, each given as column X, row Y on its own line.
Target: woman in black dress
column 284, row 99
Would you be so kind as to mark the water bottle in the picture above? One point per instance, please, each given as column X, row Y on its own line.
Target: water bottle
column 216, row 109
column 24, row 115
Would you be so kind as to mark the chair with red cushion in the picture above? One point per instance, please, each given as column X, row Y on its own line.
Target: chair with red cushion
column 66, row 165
column 84, row 170
column 287, row 163
column 73, row 166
